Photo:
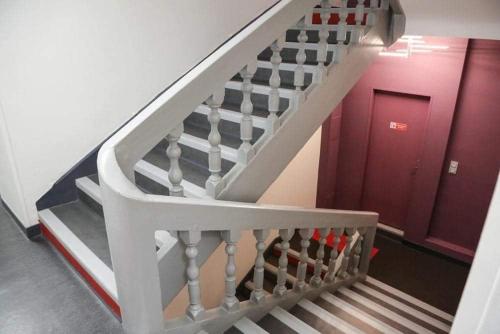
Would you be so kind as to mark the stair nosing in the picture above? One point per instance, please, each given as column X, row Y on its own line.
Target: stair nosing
column 286, row 93
column 232, row 116
column 90, row 188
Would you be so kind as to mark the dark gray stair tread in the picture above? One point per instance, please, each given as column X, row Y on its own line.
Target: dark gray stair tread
column 197, row 125
column 346, row 316
column 87, row 225
column 273, row 325
column 373, row 313
column 313, row 36
column 289, row 55
column 149, row 186
column 193, row 163
column 313, row 320
column 233, row 330
column 262, row 76
column 233, row 99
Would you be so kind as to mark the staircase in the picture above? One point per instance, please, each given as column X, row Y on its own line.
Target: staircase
column 182, row 176
column 363, row 307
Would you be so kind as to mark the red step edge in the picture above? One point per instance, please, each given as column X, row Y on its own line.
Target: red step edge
column 99, row 291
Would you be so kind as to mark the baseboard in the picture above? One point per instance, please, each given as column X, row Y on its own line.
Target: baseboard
column 31, row 231
column 94, row 285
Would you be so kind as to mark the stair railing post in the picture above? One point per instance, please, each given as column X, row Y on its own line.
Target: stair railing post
column 371, row 20
column 316, row 280
column 359, row 17
column 334, row 254
column 191, row 239
column 368, row 241
column 246, row 151
column 258, row 293
column 305, row 235
column 341, row 48
column 273, row 122
column 280, row 289
column 230, row 302
column 215, row 182
column 347, row 253
column 174, row 153
column 324, row 33
column 356, row 257
column 300, row 59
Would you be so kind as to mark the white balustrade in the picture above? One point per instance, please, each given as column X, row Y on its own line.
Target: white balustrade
column 174, row 153
column 357, row 251
column 301, row 58
column 258, row 293
column 305, row 235
column 334, row 253
column 275, row 83
column 191, row 239
column 230, row 302
column 280, row 289
column 215, row 182
column 316, row 280
column 324, row 33
column 246, row 151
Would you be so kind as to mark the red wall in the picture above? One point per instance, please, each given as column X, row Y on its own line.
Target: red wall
column 438, row 217
column 463, row 199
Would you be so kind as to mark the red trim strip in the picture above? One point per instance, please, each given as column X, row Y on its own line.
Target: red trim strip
column 115, row 308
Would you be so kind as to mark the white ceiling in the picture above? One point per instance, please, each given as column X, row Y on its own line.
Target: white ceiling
column 453, row 18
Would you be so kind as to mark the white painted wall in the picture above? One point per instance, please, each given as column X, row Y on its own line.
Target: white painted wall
column 71, row 72
column 480, row 303
column 297, row 186
column 453, row 18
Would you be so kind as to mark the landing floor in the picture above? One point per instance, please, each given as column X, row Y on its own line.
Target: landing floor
column 40, row 293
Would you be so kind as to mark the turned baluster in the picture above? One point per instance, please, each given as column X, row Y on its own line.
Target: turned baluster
column 258, row 293
column 347, row 253
column 275, row 83
column 301, row 59
column 230, row 302
column 280, row 288
column 191, row 239
column 324, row 33
column 371, row 20
column 214, row 183
column 305, row 235
column 358, row 17
column 334, row 254
column 173, row 154
column 246, row 150
column 316, row 280
column 342, row 32
column 357, row 251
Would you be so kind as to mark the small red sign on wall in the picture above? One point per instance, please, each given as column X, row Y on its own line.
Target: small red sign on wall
column 398, row 126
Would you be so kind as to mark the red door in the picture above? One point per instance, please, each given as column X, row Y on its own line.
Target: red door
column 396, row 138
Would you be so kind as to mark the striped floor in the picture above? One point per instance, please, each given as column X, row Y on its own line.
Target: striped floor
column 368, row 307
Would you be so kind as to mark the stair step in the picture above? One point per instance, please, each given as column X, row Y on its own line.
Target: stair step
column 161, row 176
column 388, row 316
column 327, row 317
column 286, row 66
column 233, row 116
column 203, row 145
column 193, row 162
column 234, row 97
column 287, row 93
column 289, row 54
column 292, row 321
column 198, row 126
column 338, row 304
column 410, row 300
column 393, row 304
column 287, row 76
column 89, row 187
column 247, row 326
